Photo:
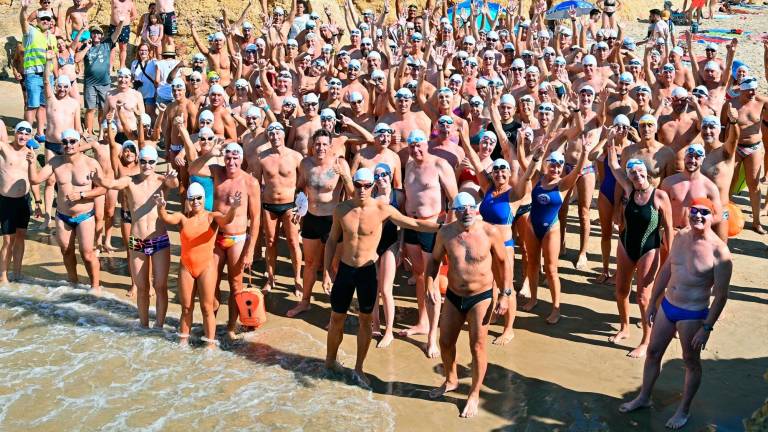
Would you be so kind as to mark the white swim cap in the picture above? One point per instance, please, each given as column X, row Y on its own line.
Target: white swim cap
column 364, row 175
column 195, row 189
column 463, row 199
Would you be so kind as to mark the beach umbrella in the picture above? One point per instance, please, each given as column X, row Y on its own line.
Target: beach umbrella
column 560, row 11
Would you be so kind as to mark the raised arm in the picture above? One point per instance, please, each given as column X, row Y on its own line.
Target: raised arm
column 118, row 30
column 193, row 30
column 23, row 16
column 169, row 218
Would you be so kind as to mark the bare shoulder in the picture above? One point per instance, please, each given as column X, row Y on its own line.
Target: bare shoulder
column 721, row 251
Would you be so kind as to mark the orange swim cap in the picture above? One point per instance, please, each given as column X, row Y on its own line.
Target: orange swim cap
column 705, row 202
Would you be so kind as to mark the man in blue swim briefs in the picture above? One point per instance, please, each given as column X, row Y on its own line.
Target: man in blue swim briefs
column 74, row 203
column 699, row 266
column 474, row 248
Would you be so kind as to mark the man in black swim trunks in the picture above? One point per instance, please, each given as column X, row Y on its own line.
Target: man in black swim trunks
column 474, row 248
column 277, row 169
column 14, row 199
column 321, row 177
column 360, row 221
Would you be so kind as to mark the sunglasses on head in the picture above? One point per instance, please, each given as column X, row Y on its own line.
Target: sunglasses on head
column 25, row 130
column 385, row 132
column 380, row 176
column 363, row 185
column 700, row 211
column 147, row 161
column 195, row 198
column 694, row 152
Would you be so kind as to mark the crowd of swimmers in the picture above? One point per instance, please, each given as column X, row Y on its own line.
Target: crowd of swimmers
column 447, row 146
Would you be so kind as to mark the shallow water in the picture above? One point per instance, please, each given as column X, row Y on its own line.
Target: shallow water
column 73, row 361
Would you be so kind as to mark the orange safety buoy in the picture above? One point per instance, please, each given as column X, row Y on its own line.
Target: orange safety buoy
column 250, row 305
column 442, row 276
column 735, row 219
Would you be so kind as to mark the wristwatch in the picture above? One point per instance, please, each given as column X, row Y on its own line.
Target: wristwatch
column 708, row 327
column 507, row 292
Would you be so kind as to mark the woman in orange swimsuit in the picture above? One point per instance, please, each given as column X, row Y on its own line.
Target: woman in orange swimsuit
column 198, row 233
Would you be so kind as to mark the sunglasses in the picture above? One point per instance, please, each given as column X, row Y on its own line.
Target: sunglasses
column 25, row 130
column 517, row 69
column 355, row 102
column 492, row 39
column 311, row 104
column 69, row 141
column 206, row 121
column 363, row 185
column 211, row 138
column 193, row 80
column 46, row 19
column 700, row 211
column 380, row 176
column 470, row 64
column 445, row 122
column 195, row 198
column 499, row 168
column 147, row 162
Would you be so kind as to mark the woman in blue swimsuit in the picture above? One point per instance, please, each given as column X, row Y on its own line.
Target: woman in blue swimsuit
column 199, row 160
column 388, row 251
column 618, row 138
column 638, row 253
column 544, row 235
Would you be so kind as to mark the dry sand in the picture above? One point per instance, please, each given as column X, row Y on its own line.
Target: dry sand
column 567, row 377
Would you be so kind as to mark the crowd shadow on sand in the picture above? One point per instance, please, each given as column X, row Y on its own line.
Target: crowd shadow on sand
column 525, row 403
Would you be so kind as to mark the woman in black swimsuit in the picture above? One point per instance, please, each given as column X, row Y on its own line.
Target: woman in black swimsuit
column 647, row 210
column 388, row 251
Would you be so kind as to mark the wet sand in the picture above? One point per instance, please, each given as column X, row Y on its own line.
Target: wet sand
column 564, row 377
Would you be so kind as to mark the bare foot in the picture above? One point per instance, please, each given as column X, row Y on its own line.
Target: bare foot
column 359, row 377
column 298, row 289
column 385, row 341
column 638, row 352
column 232, row 336
column 335, row 366
column 131, row 292
column 415, row 330
column 269, row 285
column 443, row 389
column 606, row 278
column 96, row 290
column 530, row 305
column 678, row 420
column 758, row 228
column 470, row 409
column 299, row 308
column 622, row 334
column 634, row 404
column 433, row 351
column 554, row 316
column 106, row 247
column 581, row 262
column 505, row 337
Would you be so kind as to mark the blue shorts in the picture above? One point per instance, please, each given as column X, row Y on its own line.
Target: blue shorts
column 33, row 83
column 125, row 33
